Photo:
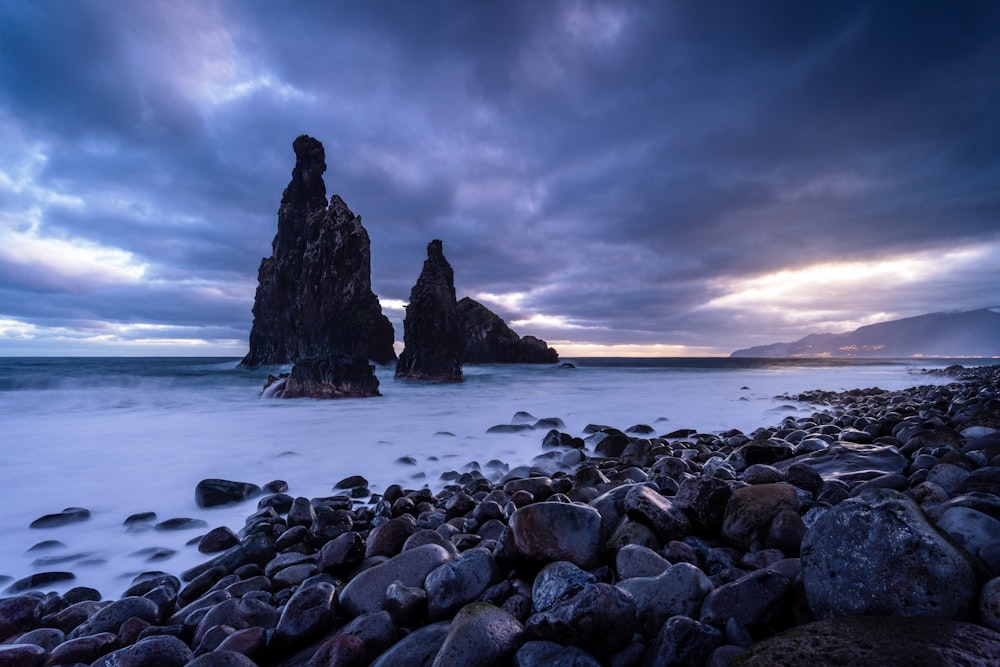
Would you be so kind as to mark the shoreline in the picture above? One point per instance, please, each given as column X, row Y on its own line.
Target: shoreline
column 662, row 511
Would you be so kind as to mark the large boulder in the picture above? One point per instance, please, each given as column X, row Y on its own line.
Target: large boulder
column 314, row 296
column 488, row 339
column 432, row 330
column 329, row 377
column 214, row 492
column 873, row 640
column 545, row 532
column 878, row 555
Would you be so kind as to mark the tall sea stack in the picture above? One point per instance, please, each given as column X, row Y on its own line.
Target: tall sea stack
column 432, row 329
column 314, row 297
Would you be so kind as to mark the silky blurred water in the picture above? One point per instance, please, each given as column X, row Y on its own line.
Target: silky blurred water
column 121, row 436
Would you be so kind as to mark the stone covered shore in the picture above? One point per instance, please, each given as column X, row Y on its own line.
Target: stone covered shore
column 865, row 533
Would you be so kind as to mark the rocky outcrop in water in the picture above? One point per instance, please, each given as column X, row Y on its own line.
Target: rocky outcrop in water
column 314, row 296
column 488, row 339
column 432, row 330
column 329, row 377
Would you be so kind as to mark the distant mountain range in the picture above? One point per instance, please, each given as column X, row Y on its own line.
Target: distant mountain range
column 975, row 333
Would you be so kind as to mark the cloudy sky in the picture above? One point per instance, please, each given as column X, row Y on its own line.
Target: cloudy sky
column 669, row 178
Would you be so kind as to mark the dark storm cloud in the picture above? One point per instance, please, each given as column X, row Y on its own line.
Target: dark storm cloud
column 625, row 170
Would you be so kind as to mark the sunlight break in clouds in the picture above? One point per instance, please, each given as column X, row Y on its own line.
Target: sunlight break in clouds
column 70, row 264
column 837, row 294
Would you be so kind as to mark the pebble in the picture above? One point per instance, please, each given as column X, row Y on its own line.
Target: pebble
column 659, row 551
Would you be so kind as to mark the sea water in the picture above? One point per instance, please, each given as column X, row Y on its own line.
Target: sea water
column 122, row 436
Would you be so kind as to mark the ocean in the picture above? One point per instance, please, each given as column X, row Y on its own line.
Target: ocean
column 119, row 436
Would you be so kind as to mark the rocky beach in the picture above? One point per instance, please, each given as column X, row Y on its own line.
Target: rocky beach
column 865, row 532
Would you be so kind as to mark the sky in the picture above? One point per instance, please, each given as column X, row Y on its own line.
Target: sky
column 669, row 178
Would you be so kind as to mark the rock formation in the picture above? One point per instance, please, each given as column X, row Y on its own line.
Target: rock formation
column 432, row 330
column 488, row 339
column 314, row 297
column 328, row 377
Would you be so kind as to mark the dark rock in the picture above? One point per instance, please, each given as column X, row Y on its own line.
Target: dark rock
column 341, row 651
column 308, row 612
column 432, row 329
column 22, row 655
column 238, row 614
column 220, row 658
column 550, row 654
column 64, row 518
column 678, row 591
column 683, row 641
column 875, row 640
column 754, row 600
column 180, row 523
column 704, row 500
column 557, row 531
column 864, row 555
column 751, row 510
column 646, row 505
column 342, row 552
column 18, row 614
column 110, row 618
column 84, row 649
column 214, row 492
column 557, row 582
column 851, row 462
column 47, row 638
column 217, row 539
column 458, row 582
column 488, row 340
column 989, row 604
column 375, row 629
column 635, row 560
column 417, row 649
column 366, row 591
column 39, row 580
column 388, row 539
column 406, row 604
column 330, row 377
column 599, row 619
column 162, row 651
column 480, row 635
column 314, row 297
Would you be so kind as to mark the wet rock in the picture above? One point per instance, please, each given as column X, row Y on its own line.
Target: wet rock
column 22, row 655
column 538, row 653
column 238, row 614
column 308, row 612
column 376, row 630
column 646, row 505
column 751, row 509
column 64, row 518
column 634, row 560
column 683, row 641
column 215, row 492
column 39, row 580
column 19, row 614
column 976, row 532
column 406, row 604
column 219, row 658
column 217, row 539
column 851, row 462
column 388, row 539
column 754, row 600
column 340, row 651
column 559, row 531
column 110, row 618
column 862, row 557
column 366, row 591
column 599, row 619
column 432, row 330
column 250, row 642
column 874, row 640
column 480, row 635
column 704, row 500
column 417, row 649
column 678, row 591
column 84, row 649
column 329, row 377
column 458, row 582
column 556, row 583
column 47, row 638
column 989, row 604
column 162, row 651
